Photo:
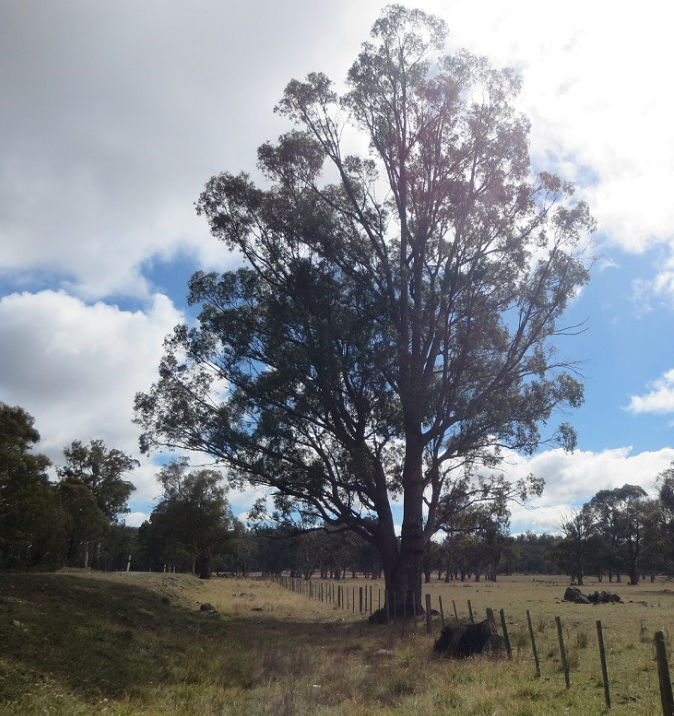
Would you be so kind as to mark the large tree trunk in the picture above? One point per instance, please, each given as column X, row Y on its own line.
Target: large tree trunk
column 202, row 566
column 403, row 581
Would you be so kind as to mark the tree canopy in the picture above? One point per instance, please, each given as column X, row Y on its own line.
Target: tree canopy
column 30, row 515
column 193, row 516
column 393, row 325
column 101, row 469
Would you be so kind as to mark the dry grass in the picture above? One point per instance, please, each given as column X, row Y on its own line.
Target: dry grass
column 138, row 644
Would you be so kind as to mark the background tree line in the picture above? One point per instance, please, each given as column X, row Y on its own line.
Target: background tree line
column 73, row 521
column 621, row 532
column 78, row 521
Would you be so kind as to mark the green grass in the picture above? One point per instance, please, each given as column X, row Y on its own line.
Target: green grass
column 138, row 644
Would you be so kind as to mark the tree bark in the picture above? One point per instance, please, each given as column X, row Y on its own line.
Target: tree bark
column 405, row 578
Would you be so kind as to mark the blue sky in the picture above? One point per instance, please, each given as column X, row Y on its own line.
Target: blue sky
column 116, row 114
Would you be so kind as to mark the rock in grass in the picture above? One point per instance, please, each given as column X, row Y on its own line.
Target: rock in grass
column 573, row 594
column 467, row 639
column 378, row 617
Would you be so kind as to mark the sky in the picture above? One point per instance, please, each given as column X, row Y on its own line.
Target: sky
column 115, row 114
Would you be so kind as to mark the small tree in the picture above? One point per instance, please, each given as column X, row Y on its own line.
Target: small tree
column 621, row 517
column 577, row 552
column 102, row 471
column 393, row 323
column 665, row 481
column 85, row 522
column 194, row 513
column 31, row 520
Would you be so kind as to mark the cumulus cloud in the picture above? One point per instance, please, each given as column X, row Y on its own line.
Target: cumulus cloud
column 660, row 399
column 593, row 80
column 76, row 367
column 115, row 116
column 573, row 478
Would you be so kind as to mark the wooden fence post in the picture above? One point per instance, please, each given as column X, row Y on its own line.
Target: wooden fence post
column 370, row 599
column 504, row 626
column 429, row 627
column 360, row 600
column 604, row 670
column 491, row 620
column 470, row 612
column 456, row 614
column 442, row 611
column 663, row 675
column 562, row 651
column 533, row 645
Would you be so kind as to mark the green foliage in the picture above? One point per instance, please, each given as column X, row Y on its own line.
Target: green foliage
column 85, row 522
column 46, row 525
column 31, row 520
column 93, row 493
column 101, row 470
column 193, row 519
column 621, row 516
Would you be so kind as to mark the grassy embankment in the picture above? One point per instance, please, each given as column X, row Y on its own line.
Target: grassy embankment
column 126, row 644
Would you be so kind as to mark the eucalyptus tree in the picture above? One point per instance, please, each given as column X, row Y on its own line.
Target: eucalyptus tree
column 193, row 516
column 394, row 320
column 101, row 470
column 665, row 482
column 577, row 553
column 31, row 519
column 621, row 518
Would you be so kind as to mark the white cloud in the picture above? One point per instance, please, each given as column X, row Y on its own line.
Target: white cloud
column 76, row 367
column 116, row 115
column 663, row 284
column 135, row 519
column 660, row 399
column 593, row 88
column 573, row 478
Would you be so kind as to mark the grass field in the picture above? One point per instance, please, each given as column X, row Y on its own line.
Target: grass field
column 138, row 644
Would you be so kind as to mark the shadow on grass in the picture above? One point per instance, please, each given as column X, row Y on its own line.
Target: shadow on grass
column 104, row 639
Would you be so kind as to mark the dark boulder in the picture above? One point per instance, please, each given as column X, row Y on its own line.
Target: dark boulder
column 467, row 639
column 379, row 617
column 573, row 594
column 604, row 598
